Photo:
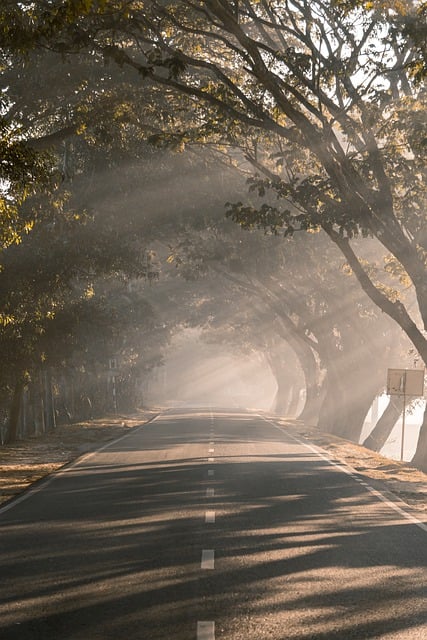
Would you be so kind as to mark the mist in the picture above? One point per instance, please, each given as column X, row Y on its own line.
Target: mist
column 196, row 374
column 216, row 316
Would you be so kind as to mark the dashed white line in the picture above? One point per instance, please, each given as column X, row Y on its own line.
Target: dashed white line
column 211, row 459
column 208, row 559
column 211, row 450
column 210, row 516
column 206, row 630
column 211, row 473
column 210, row 493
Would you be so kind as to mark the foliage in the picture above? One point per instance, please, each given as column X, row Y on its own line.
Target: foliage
column 327, row 83
column 322, row 100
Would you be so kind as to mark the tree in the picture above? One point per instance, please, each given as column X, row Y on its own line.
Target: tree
column 328, row 82
column 298, row 290
column 68, row 236
column 331, row 82
column 48, row 286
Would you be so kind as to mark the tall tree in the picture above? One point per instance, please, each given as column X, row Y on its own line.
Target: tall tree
column 303, row 295
column 328, row 80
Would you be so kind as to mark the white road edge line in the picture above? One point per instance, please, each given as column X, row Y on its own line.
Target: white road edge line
column 322, row 453
column 206, row 630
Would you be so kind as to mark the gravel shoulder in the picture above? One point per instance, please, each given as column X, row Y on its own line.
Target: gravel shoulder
column 28, row 461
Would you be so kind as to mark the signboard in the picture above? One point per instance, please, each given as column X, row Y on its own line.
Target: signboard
column 405, row 382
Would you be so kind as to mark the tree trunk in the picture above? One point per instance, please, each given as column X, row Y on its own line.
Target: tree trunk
column 313, row 401
column 420, row 458
column 357, row 411
column 352, row 385
column 294, row 397
column 311, row 372
column 42, row 408
column 395, row 309
column 49, row 408
column 280, row 403
column 280, row 370
column 332, row 414
column 384, row 426
column 14, row 411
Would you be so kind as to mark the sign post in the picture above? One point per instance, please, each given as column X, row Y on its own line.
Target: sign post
column 404, row 383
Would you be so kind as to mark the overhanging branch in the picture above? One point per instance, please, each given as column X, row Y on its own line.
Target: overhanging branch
column 396, row 310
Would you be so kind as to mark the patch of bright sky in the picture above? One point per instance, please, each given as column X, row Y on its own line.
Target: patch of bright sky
column 334, row 43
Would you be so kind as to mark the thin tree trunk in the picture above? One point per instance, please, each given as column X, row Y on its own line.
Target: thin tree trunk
column 49, row 409
column 14, row 411
column 42, row 412
column 293, row 400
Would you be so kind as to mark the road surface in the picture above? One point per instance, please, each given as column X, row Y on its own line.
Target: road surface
column 207, row 526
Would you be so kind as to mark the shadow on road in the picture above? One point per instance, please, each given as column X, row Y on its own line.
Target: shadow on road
column 301, row 550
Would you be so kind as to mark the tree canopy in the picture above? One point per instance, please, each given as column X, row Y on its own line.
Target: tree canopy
column 321, row 104
column 331, row 85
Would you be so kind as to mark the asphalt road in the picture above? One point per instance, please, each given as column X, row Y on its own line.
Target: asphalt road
column 208, row 526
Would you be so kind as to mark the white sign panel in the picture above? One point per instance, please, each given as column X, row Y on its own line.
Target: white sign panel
column 405, row 382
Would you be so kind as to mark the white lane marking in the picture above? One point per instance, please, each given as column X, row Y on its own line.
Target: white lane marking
column 211, row 444
column 206, row 630
column 353, row 473
column 210, row 516
column 211, row 459
column 210, row 493
column 211, row 450
column 211, row 473
column 208, row 559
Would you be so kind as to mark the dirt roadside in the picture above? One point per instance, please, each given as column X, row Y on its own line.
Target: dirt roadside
column 26, row 462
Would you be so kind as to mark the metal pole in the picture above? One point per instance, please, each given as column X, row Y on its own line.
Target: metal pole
column 403, row 427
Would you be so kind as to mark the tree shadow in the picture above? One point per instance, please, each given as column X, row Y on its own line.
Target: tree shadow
column 301, row 551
